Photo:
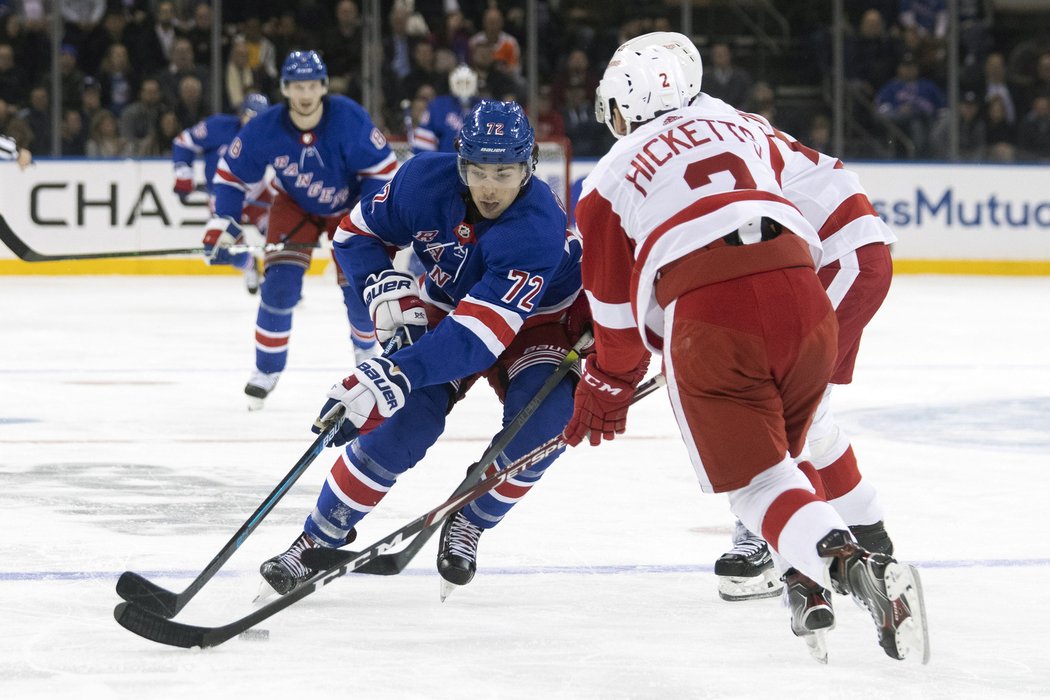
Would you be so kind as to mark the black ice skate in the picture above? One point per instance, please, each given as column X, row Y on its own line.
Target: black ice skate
column 891, row 591
column 812, row 616
column 457, row 558
column 259, row 386
column 286, row 571
column 873, row 538
column 746, row 571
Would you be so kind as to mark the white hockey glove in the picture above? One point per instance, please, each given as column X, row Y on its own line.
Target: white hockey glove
column 393, row 301
column 220, row 234
column 375, row 391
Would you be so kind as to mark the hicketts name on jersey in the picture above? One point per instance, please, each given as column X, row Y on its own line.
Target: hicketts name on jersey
column 684, row 137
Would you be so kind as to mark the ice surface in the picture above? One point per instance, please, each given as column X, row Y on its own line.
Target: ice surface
column 125, row 444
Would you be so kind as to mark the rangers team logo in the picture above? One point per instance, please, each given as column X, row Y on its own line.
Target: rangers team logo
column 425, row 236
column 465, row 232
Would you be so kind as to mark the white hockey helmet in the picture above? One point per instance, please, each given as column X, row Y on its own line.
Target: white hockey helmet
column 463, row 82
column 683, row 49
column 641, row 84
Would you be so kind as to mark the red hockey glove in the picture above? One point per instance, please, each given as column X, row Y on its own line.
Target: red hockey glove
column 220, row 234
column 183, row 188
column 375, row 391
column 601, row 403
column 393, row 301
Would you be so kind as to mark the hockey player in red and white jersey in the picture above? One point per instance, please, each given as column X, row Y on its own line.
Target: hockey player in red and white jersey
column 687, row 206
column 855, row 270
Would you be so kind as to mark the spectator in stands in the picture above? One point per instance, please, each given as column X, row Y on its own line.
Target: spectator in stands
column 74, row 138
column 182, row 66
column 81, row 17
column 505, row 48
column 998, row 129
column 199, row 34
column 70, row 77
column 31, row 45
column 818, row 135
column 424, row 72
column 928, row 18
column 725, row 80
column 191, row 105
column 1033, row 138
column 240, row 78
column 90, row 100
column 995, row 84
column 911, row 102
column 762, row 101
column 157, row 39
column 119, row 80
column 397, row 46
column 575, row 71
column 455, row 36
column 1040, row 84
column 287, row 35
column 589, row 137
column 139, row 119
column 13, row 89
column 262, row 54
column 112, row 30
column 158, row 143
column 37, row 116
column 972, row 130
column 104, row 141
column 871, row 56
column 341, row 47
column 546, row 120
column 493, row 82
column 13, row 126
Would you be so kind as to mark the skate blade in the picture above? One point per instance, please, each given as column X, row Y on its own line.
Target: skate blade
column 254, row 403
column 817, row 644
column 913, row 635
column 735, row 589
column 265, row 594
column 446, row 589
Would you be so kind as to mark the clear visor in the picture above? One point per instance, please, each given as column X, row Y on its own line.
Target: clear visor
column 495, row 175
column 599, row 105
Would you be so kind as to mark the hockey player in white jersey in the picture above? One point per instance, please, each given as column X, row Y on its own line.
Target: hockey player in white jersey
column 688, row 207
column 855, row 270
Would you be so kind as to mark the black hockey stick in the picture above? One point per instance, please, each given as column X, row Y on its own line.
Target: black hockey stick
column 145, row 594
column 178, row 634
column 24, row 252
column 395, row 563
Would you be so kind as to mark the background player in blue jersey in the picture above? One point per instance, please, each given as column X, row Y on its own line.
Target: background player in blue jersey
column 499, row 300
column 440, row 124
column 208, row 139
column 326, row 154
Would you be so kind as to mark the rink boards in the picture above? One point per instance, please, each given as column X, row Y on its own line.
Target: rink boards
column 969, row 219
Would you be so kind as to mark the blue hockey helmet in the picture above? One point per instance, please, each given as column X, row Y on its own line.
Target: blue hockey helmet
column 303, row 65
column 497, row 132
column 253, row 104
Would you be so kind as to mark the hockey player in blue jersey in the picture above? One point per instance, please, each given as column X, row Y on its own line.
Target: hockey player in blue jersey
column 440, row 124
column 326, row 154
column 208, row 139
column 499, row 300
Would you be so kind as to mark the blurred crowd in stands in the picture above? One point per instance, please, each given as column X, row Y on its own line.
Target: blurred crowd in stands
column 136, row 72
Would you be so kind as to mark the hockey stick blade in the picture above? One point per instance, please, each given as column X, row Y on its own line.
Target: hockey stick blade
column 21, row 249
column 143, row 593
column 385, row 564
column 178, row 634
column 395, row 562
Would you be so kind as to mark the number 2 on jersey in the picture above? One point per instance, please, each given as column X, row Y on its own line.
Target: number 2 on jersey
column 522, row 279
column 699, row 174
